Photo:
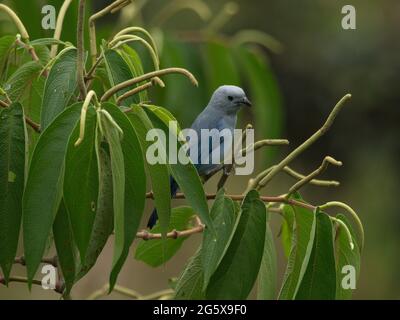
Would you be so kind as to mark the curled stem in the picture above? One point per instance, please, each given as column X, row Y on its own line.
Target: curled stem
column 59, row 26
column 353, row 215
column 92, row 27
column 229, row 10
column 17, row 21
column 91, row 95
column 134, row 91
column 294, row 154
column 258, row 37
column 325, row 163
column 316, row 182
column 81, row 49
column 139, row 30
column 112, row 121
column 145, row 77
column 198, row 6
column 265, row 143
column 346, row 229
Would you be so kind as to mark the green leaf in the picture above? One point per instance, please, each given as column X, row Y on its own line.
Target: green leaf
column 215, row 244
column 134, row 62
column 81, row 183
column 135, row 184
column 319, row 281
column 267, row 277
column 287, row 230
column 104, row 221
column 21, row 80
column 345, row 256
column 190, row 283
column 238, row 270
column 6, row 43
column 43, row 189
column 155, row 252
column 265, row 95
column 185, row 175
column 60, row 87
column 46, row 42
column 112, row 136
column 119, row 71
column 159, row 173
column 13, row 157
column 302, row 244
column 65, row 247
column 220, row 66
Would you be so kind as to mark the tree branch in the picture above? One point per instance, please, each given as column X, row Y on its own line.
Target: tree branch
column 261, row 181
column 81, row 49
column 325, row 163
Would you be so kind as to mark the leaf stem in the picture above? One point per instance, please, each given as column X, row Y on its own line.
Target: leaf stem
column 59, row 26
column 263, row 181
column 91, row 95
column 134, row 91
column 325, row 163
column 346, row 229
column 351, row 212
column 119, row 4
column 17, row 21
column 145, row 77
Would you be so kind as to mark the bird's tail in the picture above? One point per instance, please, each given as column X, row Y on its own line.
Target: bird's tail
column 154, row 216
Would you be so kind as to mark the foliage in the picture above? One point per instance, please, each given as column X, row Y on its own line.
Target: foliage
column 80, row 176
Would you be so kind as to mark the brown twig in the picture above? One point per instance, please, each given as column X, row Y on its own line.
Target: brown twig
column 52, row 261
column 278, row 199
column 81, row 49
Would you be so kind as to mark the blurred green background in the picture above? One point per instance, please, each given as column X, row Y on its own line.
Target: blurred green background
column 318, row 64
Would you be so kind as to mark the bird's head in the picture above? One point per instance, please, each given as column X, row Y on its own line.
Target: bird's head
column 229, row 99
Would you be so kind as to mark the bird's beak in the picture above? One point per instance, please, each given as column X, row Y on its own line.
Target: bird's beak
column 246, row 102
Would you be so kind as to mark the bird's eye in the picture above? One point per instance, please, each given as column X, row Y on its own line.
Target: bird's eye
column 230, row 98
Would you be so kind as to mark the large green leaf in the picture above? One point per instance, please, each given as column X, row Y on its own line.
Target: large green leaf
column 119, row 71
column 319, row 281
column 43, row 189
column 267, row 277
column 215, row 244
column 221, row 68
column 134, row 62
column 302, row 244
column 13, row 155
column 60, row 87
column 238, row 270
column 65, row 246
column 21, row 80
column 135, row 185
column 156, row 252
column 184, row 174
column 104, row 221
column 190, row 283
column 159, row 174
column 81, row 182
column 113, row 138
column 345, row 256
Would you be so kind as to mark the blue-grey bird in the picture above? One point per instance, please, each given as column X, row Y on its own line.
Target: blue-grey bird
column 220, row 113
